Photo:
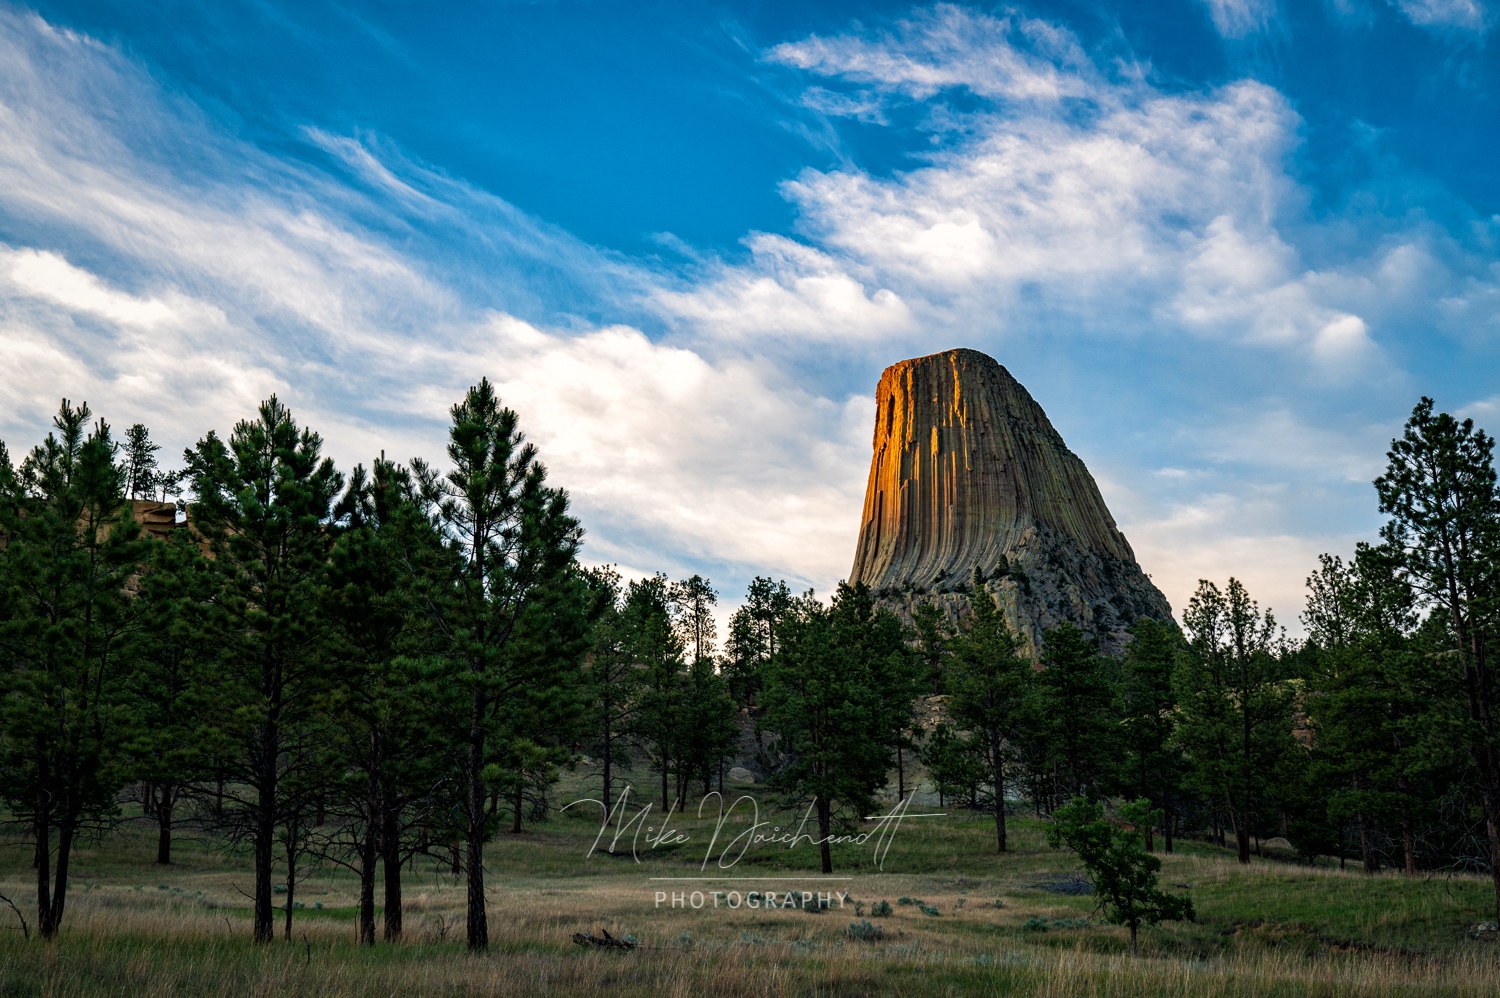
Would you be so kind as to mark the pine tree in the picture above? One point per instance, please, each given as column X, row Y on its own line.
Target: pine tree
column 263, row 502
column 954, row 763
column 1444, row 533
column 1235, row 703
column 380, row 636
column 513, row 544
column 694, row 600
column 140, row 463
column 172, row 681
column 752, row 637
column 658, row 651
column 1073, row 697
column 989, row 679
column 931, row 626
column 708, row 731
column 838, row 693
column 1152, row 766
column 1122, row 871
column 66, row 630
column 612, row 679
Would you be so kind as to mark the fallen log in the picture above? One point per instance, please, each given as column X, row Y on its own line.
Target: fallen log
column 606, row 941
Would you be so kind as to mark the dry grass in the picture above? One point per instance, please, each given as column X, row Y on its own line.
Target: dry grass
column 1269, row 929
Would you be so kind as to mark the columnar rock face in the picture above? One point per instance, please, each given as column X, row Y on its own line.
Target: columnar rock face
column 968, row 473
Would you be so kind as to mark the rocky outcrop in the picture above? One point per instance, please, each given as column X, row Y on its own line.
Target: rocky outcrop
column 969, row 473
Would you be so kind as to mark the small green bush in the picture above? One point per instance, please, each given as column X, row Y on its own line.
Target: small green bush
column 865, row 931
column 880, row 910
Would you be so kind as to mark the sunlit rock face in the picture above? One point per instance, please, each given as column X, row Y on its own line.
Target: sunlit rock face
column 968, row 472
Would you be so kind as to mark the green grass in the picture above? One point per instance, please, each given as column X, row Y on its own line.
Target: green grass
column 1266, row 928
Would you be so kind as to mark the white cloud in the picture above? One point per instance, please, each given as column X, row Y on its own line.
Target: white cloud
column 1238, row 18
column 791, row 290
column 683, row 455
column 945, row 47
column 1446, row 15
column 181, row 301
column 1064, row 204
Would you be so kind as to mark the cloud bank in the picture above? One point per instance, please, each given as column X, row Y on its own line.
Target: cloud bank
column 1219, row 348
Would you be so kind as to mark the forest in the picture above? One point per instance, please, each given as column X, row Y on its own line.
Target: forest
column 360, row 668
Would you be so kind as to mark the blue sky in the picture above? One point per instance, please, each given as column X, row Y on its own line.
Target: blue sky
column 1226, row 245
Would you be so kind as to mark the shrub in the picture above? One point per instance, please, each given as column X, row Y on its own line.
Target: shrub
column 865, row 931
column 880, row 910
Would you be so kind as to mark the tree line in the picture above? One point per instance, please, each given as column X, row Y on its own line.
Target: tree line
column 1372, row 739
column 364, row 668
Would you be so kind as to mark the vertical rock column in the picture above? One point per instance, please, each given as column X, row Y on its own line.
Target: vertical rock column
column 968, row 472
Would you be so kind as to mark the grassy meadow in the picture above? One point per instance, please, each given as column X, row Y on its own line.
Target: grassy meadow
column 1274, row 928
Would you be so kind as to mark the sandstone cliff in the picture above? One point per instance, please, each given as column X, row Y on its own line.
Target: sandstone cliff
column 968, row 472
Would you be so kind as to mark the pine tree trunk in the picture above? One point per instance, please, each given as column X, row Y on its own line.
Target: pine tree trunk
column 825, row 829
column 42, row 860
column 478, row 924
column 165, row 802
column 1366, row 853
column 1409, row 843
column 367, row 848
column 390, row 842
column 291, row 875
column 265, row 841
column 900, row 774
column 1166, row 821
column 999, row 777
column 609, row 751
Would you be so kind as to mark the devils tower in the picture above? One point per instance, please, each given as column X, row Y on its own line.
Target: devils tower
column 969, row 473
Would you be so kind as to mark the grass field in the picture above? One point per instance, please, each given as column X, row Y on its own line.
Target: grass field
column 1273, row 928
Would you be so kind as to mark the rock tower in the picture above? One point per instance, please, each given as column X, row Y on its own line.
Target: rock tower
column 969, row 473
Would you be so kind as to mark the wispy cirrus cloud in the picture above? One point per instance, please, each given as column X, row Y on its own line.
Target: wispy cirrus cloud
column 1466, row 16
column 1238, row 18
column 369, row 292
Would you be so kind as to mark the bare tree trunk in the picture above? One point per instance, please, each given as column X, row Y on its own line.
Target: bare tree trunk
column 1409, row 843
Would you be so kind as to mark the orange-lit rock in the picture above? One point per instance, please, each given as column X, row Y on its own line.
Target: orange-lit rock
column 968, row 472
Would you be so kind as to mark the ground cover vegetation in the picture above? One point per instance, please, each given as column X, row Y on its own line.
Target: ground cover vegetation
column 402, row 676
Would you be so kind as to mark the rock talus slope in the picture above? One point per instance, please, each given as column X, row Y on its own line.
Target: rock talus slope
column 968, row 472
